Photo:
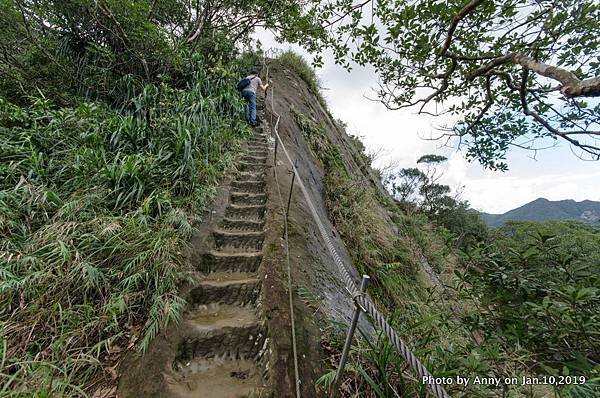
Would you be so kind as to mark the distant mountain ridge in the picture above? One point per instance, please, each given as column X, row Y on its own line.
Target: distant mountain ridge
column 543, row 209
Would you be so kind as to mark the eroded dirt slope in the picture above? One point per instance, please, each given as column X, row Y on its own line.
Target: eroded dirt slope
column 313, row 265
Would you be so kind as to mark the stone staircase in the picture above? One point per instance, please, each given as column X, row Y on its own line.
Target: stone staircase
column 223, row 351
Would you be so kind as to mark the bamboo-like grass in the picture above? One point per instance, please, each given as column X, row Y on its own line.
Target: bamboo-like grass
column 97, row 204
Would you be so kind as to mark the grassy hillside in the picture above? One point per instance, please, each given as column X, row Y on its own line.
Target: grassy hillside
column 117, row 121
column 96, row 207
column 113, row 137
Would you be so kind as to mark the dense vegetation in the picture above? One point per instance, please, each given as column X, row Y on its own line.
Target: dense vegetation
column 538, row 286
column 95, row 208
column 113, row 136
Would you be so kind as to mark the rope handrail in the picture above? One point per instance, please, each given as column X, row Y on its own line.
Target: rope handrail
column 290, row 296
column 289, row 280
column 359, row 298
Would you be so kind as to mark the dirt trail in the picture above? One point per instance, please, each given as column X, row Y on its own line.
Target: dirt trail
column 220, row 349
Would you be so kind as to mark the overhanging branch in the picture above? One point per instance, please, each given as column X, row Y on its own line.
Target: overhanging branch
column 571, row 85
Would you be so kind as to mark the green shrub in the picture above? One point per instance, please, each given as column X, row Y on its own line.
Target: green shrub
column 96, row 208
column 541, row 284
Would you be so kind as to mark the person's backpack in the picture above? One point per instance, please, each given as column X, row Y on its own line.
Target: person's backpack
column 245, row 82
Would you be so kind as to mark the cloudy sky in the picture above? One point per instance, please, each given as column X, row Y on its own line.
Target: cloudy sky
column 397, row 136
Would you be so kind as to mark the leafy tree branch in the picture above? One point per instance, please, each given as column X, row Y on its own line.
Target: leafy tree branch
column 462, row 59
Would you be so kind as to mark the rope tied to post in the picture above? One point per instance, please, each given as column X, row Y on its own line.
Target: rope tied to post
column 356, row 297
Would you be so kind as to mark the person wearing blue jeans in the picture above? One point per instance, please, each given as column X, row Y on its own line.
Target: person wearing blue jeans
column 249, row 94
column 250, row 98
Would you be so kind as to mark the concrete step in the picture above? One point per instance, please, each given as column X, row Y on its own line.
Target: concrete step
column 259, row 136
column 219, row 261
column 258, row 150
column 245, row 212
column 257, row 142
column 251, row 166
column 262, row 145
column 251, row 176
column 238, row 241
column 234, row 225
column 254, row 159
column 238, row 288
column 218, row 378
column 241, row 198
column 248, row 186
column 262, row 139
column 221, row 330
column 258, row 153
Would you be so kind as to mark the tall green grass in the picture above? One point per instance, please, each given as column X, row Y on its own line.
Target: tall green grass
column 96, row 207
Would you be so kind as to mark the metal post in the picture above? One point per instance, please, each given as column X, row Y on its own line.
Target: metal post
column 287, row 209
column 272, row 109
column 271, row 113
column 348, row 343
column 275, row 154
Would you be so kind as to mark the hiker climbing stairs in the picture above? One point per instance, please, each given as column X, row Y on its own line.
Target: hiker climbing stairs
column 222, row 353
